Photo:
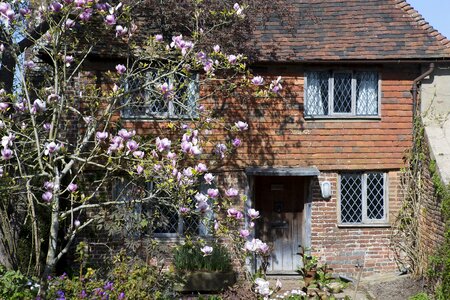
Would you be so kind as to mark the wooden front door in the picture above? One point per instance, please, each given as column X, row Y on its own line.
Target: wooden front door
column 281, row 202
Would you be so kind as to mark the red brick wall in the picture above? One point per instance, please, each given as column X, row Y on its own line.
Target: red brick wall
column 345, row 247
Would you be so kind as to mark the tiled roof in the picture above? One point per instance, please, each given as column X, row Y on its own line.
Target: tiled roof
column 315, row 30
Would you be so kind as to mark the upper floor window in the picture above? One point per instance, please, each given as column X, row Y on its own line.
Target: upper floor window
column 363, row 198
column 161, row 96
column 342, row 94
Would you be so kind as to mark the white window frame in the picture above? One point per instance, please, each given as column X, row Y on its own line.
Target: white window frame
column 365, row 220
column 353, row 113
column 170, row 113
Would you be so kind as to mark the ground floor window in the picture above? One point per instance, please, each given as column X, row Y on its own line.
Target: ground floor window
column 363, row 197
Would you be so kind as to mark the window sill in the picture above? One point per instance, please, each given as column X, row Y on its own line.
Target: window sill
column 343, row 118
column 368, row 225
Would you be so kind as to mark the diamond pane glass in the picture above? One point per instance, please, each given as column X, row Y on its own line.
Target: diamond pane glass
column 375, row 196
column 366, row 93
column 316, row 94
column 146, row 100
column 342, row 101
column 351, row 198
column 166, row 219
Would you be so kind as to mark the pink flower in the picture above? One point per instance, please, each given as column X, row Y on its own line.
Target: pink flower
column 232, row 192
column 159, row 38
column 188, row 172
column 101, row 136
column 72, row 187
column 244, row 233
column 236, row 142
column 132, row 146
column 200, row 197
column 86, row 15
column 47, row 126
column 3, row 106
column 48, row 185
column 216, row 48
column 201, row 168
column 252, row 213
column 80, row 3
column 56, row 6
column 213, row 193
column 138, row 154
column 275, row 85
column 47, row 196
column 125, row 134
column 68, row 59
column 207, row 250
column 121, row 69
column 258, row 80
column 241, row 125
column 237, row 8
column 234, row 213
column 38, row 106
column 208, row 178
column 51, row 148
column 120, row 30
column 166, row 89
column 110, row 20
column 202, row 206
column 163, row 144
column 184, row 210
column 7, row 153
column 220, row 150
column 232, row 59
column 29, row 64
column 139, row 169
column 69, row 23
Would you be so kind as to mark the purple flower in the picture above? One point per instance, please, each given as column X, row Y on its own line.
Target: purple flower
column 132, row 146
column 237, row 9
column 125, row 134
column 7, row 153
column 163, row 144
column 201, row 168
column 184, row 210
column 253, row 213
column 80, row 3
column 166, row 89
column 202, row 206
column 258, row 80
column 72, row 187
column 220, row 150
column 70, row 23
column 4, row 7
column 47, row 126
column 213, row 193
column 83, row 294
column 138, row 154
column 61, row 295
column 29, row 64
column 232, row 192
column 108, row 286
column 139, row 169
column 24, row 11
column 56, row 6
column 68, row 59
column 121, row 69
column 216, row 48
column 241, row 125
column 234, row 213
column 200, row 197
column 51, row 148
column 47, row 196
column 38, row 106
column 244, row 233
column 275, row 85
column 121, row 296
column 110, row 20
column 48, row 185
column 236, row 142
column 76, row 223
column 159, row 38
column 171, row 155
column 101, row 136
column 3, row 106
column 208, row 178
column 86, row 15
column 207, row 250
column 120, row 30
column 8, row 140
column 54, row 97
column 188, row 172
column 208, row 65
column 232, row 59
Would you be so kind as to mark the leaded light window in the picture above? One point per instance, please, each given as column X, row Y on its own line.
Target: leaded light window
column 155, row 209
column 161, row 96
column 342, row 93
column 363, row 198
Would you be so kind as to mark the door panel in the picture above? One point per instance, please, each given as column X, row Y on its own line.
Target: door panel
column 280, row 201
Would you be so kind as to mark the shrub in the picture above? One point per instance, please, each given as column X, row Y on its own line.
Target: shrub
column 188, row 257
column 15, row 285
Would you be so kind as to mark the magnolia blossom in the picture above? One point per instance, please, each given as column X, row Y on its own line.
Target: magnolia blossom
column 38, row 106
column 179, row 43
column 237, row 8
column 3, row 106
column 163, row 144
column 68, row 59
column 184, row 210
column 234, row 213
column 139, row 169
column 208, row 178
column 255, row 245
column 56, row 6
column 132, row 146
column 138, row 154
column 51, row 148
column 54, row 97
column 275, row 85
column 262, row 287
column 159, row 38
column 101, row 136
column 241, row 125
column 7, row 153
column 49, row 186
column 220, row 150
column 201, row 197
column 47, row 196
column 216, row 48
column 202, row 206
column 29, row 64
column 121, row 69
column 244, row 233
column 110, row 20
column 80, row 3
column 8, row 140
column 120, row 30
column 86, row 15
column 76, row 223
column 258, row 80
column 125, row 134
column 232, row 192
column 201, row 168
column 232, row 59
column 188, row 172
column 252, row 213
column 47, row 126
column 207, row 250
column 213, row 193
column 236, row 142
column 166, row 89
column 72, row 187
column 69, row 23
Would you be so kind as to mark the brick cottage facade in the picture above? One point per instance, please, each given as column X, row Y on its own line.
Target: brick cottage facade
column 322, row 161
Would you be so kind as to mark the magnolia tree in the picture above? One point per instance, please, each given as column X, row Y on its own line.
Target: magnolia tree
column 64, row 145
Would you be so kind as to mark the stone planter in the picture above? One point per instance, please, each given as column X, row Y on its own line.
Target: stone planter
column 206, row 281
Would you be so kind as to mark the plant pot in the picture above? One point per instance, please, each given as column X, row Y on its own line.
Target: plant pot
column 206, row 281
